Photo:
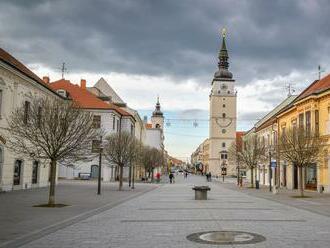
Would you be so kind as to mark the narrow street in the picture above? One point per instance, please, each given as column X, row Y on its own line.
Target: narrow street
column 164, row 217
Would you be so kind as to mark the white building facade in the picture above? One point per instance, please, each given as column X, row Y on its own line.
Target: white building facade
column 19, row 85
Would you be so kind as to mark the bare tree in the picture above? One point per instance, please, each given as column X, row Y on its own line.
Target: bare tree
column 251, row 153
column 301, row 148
column 53, row 130
column 121, row 149
column 235, row 157
column 151, row 158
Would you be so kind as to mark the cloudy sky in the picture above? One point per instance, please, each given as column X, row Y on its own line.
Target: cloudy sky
column 145, row 48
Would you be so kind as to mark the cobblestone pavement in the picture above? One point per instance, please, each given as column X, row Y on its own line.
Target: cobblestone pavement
column 20, row 222
column 166, row 216
column 316, row 203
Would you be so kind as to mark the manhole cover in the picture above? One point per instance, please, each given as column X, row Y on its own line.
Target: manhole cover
column 226, row 237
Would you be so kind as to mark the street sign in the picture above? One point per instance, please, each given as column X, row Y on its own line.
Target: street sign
column 273, row 164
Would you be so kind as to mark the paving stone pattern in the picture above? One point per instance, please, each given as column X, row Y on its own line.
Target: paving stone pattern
column 166, row 216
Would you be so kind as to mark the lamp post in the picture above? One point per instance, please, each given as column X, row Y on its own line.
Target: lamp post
column 100, row 168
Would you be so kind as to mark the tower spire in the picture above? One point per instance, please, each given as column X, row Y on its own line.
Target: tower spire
column 223, row 64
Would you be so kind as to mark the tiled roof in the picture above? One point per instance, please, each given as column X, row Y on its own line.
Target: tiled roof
column 316, row 87
column 13, row 62
column 148, row 125
column 84, row 98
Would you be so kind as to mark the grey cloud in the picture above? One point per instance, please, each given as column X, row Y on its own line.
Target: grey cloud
column 173, row 38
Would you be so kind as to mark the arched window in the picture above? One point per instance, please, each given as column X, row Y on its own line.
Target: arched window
column 157, row 126
column 223, row 115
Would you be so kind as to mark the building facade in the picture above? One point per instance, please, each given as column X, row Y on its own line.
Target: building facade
column 222, row 116
column 19, row 85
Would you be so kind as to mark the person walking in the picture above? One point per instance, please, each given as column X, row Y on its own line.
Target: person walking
column 171, row 176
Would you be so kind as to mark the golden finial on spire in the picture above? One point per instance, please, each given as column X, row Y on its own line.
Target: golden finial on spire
column 224, row 31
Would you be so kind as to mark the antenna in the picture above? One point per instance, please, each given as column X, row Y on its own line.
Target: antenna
column 320, row 70
column 290, row 89
column 63, row 69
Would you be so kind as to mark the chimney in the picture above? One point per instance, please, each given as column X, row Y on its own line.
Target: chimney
column 83, row 83
column 46, row 79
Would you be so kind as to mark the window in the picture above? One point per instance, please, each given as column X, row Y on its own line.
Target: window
column 223, row 105
column 17, row 172
column 223, row 144
column 157, row 126
column 113, row 123
column 301, row 120
column 0, row 102
column 308, row 121
column 26, row 111
column 97, row 121
column 96, row 146
column 223, row 115
column 223, row 131
column 35, row 168
column 228, row 92
column 224, row 156
column 317, row 128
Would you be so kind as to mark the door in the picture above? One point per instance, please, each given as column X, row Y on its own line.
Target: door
column 94, row 171
column 35, row 168
column 17, row 172
column 295, row 177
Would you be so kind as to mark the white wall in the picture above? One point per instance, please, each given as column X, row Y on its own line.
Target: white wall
column 17, row 88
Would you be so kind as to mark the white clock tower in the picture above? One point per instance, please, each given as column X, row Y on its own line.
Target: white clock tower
column 222, row 116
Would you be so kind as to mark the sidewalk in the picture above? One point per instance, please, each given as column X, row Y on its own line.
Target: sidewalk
column 165, row 217
column 316, row 203
column 21, row 221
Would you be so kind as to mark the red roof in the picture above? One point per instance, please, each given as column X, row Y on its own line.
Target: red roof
column 84, row 98
column 316, row 87
column 148, row 125
column 239, row 134
column 10, row 60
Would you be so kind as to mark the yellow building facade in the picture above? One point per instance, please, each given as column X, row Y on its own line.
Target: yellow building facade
column 311, row 110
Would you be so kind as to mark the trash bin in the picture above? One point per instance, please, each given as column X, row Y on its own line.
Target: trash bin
column 257, row 184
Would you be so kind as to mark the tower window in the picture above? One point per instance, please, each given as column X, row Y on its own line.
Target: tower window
column 228, row 92
column 223, row 131
column 223, row 98
column 223, row 105
column 223, row 115
column 219, row 91
column 157, row 126
column 223, row 144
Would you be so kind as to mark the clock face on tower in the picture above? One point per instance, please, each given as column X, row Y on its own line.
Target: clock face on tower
column 224, row 87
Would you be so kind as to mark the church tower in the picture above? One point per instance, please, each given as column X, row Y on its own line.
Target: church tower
column 222, row 129
column 157, row 118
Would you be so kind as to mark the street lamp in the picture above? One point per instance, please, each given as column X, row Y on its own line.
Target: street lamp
column 100, row 168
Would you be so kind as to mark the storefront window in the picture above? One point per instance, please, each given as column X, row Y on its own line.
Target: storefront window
column 311, row 177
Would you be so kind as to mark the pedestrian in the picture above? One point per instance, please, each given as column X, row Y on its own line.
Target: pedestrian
column 171, row 177
column 207, row 176
column 210, row 176
column 158, row 177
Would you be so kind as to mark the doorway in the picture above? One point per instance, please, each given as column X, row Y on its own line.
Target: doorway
column 94, row 171
column 17, row 172
column 295, row 176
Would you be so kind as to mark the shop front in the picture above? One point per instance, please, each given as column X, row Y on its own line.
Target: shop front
column 311, row 177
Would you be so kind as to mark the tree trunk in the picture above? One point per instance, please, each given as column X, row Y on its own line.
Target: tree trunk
column 301, row 182
column 252, row 183
column 121, row 168
column 152, row 174
column 51, row 198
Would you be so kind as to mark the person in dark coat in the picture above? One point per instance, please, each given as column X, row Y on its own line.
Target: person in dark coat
column 171, row 176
